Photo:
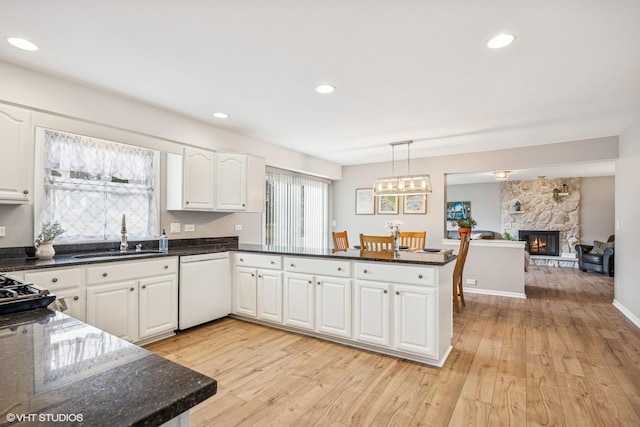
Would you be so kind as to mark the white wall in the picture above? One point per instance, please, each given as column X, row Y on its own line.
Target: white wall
column 597, row 208
column 627, row 283
column 485, row 203
column 115, row 117
column 433, row 222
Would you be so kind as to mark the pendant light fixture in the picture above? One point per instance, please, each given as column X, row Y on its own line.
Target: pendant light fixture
column 402, row 185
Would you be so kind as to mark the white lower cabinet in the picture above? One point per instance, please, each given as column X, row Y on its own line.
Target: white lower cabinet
column 269, row 295
column 299, row 300
column 158, row 305
column 372, row 314
column 114, row 308
column 415, row 319
column 135, row 300
column 246, row 289
column 67, row 284
column 318, row 303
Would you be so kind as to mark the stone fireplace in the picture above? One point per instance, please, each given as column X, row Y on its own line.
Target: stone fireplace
column 541, row 242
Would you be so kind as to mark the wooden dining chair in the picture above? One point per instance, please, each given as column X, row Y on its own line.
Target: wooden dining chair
column 413, row 239
column 376, row 243
column 340, row 241
column 458, row 293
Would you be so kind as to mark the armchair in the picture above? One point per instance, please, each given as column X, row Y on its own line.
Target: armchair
column 602, row 263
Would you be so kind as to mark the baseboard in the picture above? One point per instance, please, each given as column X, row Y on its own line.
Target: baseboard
column 629, row 315
column 495, row 293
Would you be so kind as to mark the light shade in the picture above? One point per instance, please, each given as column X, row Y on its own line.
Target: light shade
column 402, row 185
column 502, row 175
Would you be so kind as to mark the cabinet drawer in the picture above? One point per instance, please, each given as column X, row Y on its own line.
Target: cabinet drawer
column 318, row 266
column 396, row 273
column 114, row 272
column 259, row 261
column 56, row 278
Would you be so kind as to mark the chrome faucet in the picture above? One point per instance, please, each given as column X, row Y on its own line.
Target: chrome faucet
column 123, row 240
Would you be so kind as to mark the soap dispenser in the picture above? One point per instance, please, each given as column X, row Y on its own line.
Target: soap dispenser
column 164, row 242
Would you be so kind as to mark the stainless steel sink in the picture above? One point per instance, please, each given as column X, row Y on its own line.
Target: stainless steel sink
column 117, row 254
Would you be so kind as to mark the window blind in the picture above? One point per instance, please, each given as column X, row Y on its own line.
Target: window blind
column 296, row 211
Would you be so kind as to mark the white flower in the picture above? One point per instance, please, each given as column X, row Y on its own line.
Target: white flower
column 394, row 227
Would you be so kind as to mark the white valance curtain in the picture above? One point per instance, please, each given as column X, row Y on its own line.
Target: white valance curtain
column 297, row 210
column 89, row 183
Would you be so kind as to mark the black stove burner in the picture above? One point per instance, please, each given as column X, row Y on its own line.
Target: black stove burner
column 16, row 295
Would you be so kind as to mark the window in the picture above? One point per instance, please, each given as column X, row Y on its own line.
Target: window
column 89, row 183
column 297, row 210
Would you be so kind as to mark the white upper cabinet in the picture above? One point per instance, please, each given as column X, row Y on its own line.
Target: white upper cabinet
column 231, row 180
column 202, row 180
column 190, row 180
column 16, row 145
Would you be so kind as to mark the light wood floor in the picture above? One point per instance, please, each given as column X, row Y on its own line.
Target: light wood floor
column 564, row 356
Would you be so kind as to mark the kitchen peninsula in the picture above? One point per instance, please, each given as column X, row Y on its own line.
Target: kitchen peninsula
column 395, row 304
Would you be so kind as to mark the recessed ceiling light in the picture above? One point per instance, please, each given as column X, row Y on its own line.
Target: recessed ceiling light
column 500, row 41
column 325, row 89
column 22, row 43
column 221, row 115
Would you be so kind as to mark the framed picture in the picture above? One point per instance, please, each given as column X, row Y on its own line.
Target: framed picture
column 415, row 204
column 364, row 201
column 458, row 210
column 388, row 205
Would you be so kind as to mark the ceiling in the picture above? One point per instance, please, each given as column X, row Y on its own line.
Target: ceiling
column 416, row 69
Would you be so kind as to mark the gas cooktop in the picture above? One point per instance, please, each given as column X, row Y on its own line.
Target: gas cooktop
column 17, row 295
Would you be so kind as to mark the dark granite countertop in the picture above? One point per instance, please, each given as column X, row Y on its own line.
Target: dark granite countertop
column 13, row 259
column 406, row 257
column 55, row 366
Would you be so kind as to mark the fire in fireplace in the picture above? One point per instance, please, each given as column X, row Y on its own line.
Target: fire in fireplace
column 541, row 242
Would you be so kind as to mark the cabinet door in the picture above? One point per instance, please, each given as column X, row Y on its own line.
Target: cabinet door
column 333, row 306
column 158, row 305
column 114, row 308
column 270, row 295
column 246, row 292
column 372, row 313
column 16, row 145
column 415, row 319
column 198, row 180
column 75, row 300
column 231, row 182
column 299, row 290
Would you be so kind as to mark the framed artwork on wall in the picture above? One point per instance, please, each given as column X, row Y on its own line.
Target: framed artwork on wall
column 364, row 201
column 415, row 204
column 387, row 205
column 458, row 210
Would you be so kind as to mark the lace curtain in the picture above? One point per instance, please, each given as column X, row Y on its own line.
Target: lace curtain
column 89, row 183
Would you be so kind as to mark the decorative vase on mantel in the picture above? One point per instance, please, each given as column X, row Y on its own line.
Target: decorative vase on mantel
column 45, row 250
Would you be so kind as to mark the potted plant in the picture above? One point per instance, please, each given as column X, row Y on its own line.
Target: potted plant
column 43, row 243
column 464, row 224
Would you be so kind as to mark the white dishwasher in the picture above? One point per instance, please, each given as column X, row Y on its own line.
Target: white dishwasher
column 205, row 289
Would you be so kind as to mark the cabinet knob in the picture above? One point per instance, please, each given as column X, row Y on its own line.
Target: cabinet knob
column 144, row 286
column 132, row 289
column 76, row 298
column 253, row 275
column 339, row 268
column 54, row 280
column 260, row 276
column 241, row 259
column 273, row 262
column 385, row 291
column 365, row 271
column 318, row 283
column 419, row 276
column 25, row 191
column 292, row 265
column 243, row 205
column 310, row 282
column 397, row 292
column 186, row 203
column 166, row 267
column 105, row 274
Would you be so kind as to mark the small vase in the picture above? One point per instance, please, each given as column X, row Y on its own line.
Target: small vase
column 396, row 244
column 45, row 250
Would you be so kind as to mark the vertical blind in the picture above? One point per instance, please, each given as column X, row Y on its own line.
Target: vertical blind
column 296, row 211
column 89, row 183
